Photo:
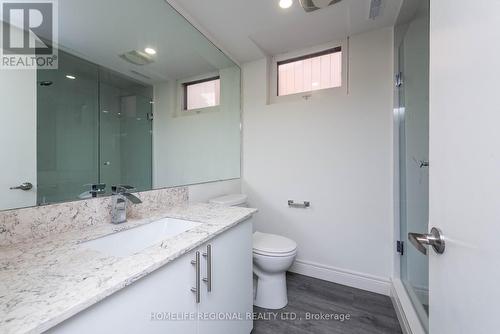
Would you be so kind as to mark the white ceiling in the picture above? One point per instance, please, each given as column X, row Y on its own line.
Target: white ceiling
column 251, row 29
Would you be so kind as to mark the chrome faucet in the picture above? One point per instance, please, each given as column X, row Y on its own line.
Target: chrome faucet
column 120, row 196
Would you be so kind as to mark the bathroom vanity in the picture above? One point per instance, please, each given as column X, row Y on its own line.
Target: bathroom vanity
column 176, row 297
column 197, row 281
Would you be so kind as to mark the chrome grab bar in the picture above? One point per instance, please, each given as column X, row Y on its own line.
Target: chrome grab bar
column 303, row 205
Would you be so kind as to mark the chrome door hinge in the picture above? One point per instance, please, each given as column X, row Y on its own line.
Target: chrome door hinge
column 400, row 247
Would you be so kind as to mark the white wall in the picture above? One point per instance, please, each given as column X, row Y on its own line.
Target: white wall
column 335, row 151
column 190, row 148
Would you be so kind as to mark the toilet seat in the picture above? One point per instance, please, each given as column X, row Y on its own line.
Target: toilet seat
column 273, row 245
column 230, row 200
column 269, row 254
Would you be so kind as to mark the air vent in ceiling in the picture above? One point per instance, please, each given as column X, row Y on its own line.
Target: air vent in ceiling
column 137, row 57
column 312, row 5
column 375, row 9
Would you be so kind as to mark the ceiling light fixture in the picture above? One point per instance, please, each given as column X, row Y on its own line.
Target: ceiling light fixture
column 150, row 51
column 71, row 77
column 286, row 3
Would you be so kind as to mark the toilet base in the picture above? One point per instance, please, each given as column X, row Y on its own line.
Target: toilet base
column 271, row 292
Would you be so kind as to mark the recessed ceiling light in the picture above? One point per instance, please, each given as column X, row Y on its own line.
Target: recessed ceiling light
column 71, row 77
column 286, row 3
column 150, row 51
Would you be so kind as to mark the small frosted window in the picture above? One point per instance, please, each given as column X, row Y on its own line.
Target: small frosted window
column 202, row 94
column 311, row 72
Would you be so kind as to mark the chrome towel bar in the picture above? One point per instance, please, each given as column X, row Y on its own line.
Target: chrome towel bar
column 303, row 205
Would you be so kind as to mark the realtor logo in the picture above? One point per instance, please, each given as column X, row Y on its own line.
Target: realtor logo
column 29, row 31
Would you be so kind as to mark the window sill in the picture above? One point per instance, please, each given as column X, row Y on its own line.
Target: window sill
column 193, row 112
column 306, row 96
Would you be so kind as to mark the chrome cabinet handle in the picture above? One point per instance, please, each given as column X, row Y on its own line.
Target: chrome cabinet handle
column 23, row 186
column 434, row 239
column 197, row 290
column 208, row 279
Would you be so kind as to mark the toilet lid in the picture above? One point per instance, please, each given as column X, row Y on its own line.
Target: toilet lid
column 230, row 200
column 272, row 243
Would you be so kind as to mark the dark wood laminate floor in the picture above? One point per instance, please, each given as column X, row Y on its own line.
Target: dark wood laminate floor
column 370, row 313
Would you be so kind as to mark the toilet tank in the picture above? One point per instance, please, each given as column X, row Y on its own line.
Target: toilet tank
column 230, row 200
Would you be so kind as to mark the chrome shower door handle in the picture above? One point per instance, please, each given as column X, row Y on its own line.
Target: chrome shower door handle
column 434, row 239
column 23, row 186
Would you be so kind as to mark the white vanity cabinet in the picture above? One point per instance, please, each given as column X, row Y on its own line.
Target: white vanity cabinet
column 163, row 301
column 231, row 295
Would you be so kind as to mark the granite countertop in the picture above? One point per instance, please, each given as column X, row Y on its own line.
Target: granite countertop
column 45, row 282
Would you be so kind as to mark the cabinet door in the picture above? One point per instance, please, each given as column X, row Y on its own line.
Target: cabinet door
column 232, row 282
column 145, row 306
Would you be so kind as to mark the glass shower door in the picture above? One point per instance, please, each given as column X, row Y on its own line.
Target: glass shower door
column 136, row 134
column 413, row 92
column 94, row 126
column 67, row 128
column 125, row 131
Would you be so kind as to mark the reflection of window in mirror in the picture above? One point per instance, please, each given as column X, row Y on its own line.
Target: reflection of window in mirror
column 202, row 93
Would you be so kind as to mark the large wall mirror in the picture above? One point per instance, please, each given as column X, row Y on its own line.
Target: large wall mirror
column 139, row 97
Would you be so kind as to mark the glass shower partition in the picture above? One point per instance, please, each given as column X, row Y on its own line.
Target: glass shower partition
column 413, row 92
column 125, row 132
column 94, row 126
column 67, row 129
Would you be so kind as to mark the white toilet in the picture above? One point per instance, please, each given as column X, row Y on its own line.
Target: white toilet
column 273, row 255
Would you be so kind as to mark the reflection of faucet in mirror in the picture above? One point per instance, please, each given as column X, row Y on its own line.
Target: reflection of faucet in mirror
column 120, row 196
column 95, row 191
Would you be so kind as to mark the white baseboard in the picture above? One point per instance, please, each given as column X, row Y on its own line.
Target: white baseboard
column 341, row 276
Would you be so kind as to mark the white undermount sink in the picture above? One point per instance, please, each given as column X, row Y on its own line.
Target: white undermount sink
column 134, row 240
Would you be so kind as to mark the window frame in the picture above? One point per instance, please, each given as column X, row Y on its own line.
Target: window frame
column 272, row 72
column 304, row 57
column 185, row 86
